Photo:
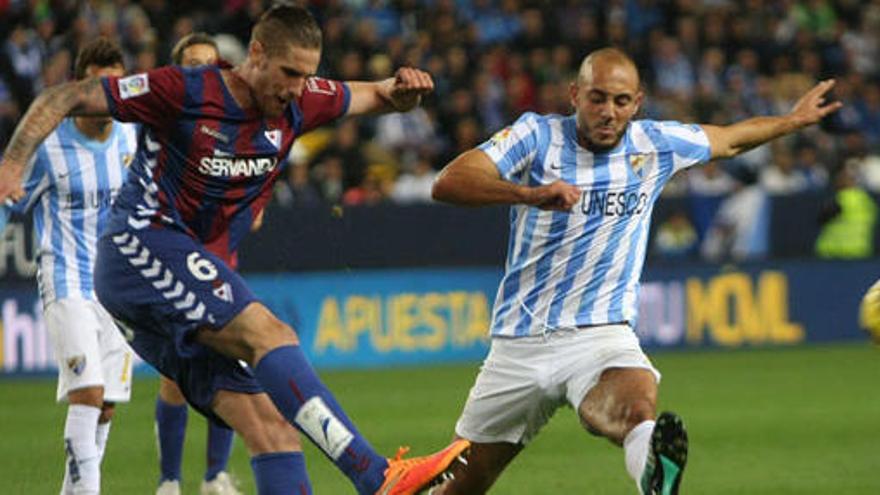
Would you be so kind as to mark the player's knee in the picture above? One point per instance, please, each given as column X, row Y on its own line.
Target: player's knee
column 87, row 396
column 614, row 419
column 107, row 412
column 170, row 393
column 270, row 335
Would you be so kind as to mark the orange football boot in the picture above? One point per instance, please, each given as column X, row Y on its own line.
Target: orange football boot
column 409, row 476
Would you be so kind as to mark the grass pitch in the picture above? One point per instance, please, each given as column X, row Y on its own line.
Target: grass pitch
column 775, row 422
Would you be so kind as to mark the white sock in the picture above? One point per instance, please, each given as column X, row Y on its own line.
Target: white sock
column 101, row 435
column 635, row 448
column 82, row 464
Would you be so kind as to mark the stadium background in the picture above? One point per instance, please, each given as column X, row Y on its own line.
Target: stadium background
column 755, row 332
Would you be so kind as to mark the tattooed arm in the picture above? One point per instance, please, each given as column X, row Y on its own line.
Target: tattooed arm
column 84, row 97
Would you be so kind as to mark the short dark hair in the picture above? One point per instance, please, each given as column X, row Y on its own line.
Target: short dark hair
column 101, row 52
column 190, row 40
column 285, row 25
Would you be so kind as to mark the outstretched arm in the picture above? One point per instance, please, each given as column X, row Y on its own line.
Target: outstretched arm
column 400, row 93
column 85, row 97
column 731, row 140
column 473, row 180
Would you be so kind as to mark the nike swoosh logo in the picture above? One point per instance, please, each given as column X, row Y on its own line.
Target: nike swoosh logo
column 325, row 424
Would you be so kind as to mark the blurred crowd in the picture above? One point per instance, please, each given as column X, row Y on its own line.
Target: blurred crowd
column 706, row 61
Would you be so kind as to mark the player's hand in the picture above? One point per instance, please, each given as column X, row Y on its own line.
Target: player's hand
column 869, row 312
column 557, row 196
column 10, row 182
column 409, row 86
column 812, row 107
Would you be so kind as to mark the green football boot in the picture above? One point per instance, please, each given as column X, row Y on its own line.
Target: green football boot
column 667, row 457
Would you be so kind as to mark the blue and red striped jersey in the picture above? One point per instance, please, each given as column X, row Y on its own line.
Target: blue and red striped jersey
column 204, row 165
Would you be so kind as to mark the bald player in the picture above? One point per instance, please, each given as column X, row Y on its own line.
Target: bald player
column 581, row 189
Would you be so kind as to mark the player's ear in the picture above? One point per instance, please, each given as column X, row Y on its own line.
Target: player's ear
column 637, row 104
column 256, row 52
column 573, row 94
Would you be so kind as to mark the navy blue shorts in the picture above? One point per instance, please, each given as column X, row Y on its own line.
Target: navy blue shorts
column 161, row 286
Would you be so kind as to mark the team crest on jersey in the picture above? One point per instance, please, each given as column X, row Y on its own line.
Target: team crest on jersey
column 274, row 137
column 501, row 136
column 77, row 364
column 637, row 163
column 131, row 86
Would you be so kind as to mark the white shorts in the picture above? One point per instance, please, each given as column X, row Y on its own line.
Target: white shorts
column 89, row 349
column 523, row 381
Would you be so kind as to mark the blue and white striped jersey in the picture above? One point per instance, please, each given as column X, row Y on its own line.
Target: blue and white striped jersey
column 570, row 269
column 70, row 183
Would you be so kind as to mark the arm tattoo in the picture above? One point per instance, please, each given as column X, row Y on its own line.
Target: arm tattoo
column 49, row 109
column 92, row 101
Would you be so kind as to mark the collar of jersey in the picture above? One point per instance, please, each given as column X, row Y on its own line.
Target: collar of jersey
column 70, row 128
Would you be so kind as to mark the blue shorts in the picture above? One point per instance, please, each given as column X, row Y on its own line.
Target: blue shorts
column 161, row 286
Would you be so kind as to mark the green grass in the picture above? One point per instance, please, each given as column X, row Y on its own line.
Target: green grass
column 786, row 421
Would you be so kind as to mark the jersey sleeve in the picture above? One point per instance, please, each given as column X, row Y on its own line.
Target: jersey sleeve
column 689, row 143
column 35, row 181
column 513, row 148
column 322, row 101
column 154, row 98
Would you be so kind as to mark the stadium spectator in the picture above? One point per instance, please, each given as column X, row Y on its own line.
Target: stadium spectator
column 189, row 328
column 808, row 162
column 581, row 189
column 23, row 52
column 868, row 107
column 673, row 71
column 782, row 176
column 864, row 163
column 77, row 171
column 710, row 180
column 343, row 163
column 740, row 228
column 415, row 183
column 298, row 189
column 848, row 220
column 374, row 189
column 676, row 237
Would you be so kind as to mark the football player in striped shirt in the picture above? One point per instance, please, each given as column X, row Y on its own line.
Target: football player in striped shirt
column 212, row 143
column 192, row 50
column 68, row 187
column 581, row 189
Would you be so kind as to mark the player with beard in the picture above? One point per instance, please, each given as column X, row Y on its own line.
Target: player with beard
column 581, row 189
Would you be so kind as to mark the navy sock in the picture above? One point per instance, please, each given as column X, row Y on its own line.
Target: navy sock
column 281, row 473
column 219, row 448
column 286, row 375
column 171, row 430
